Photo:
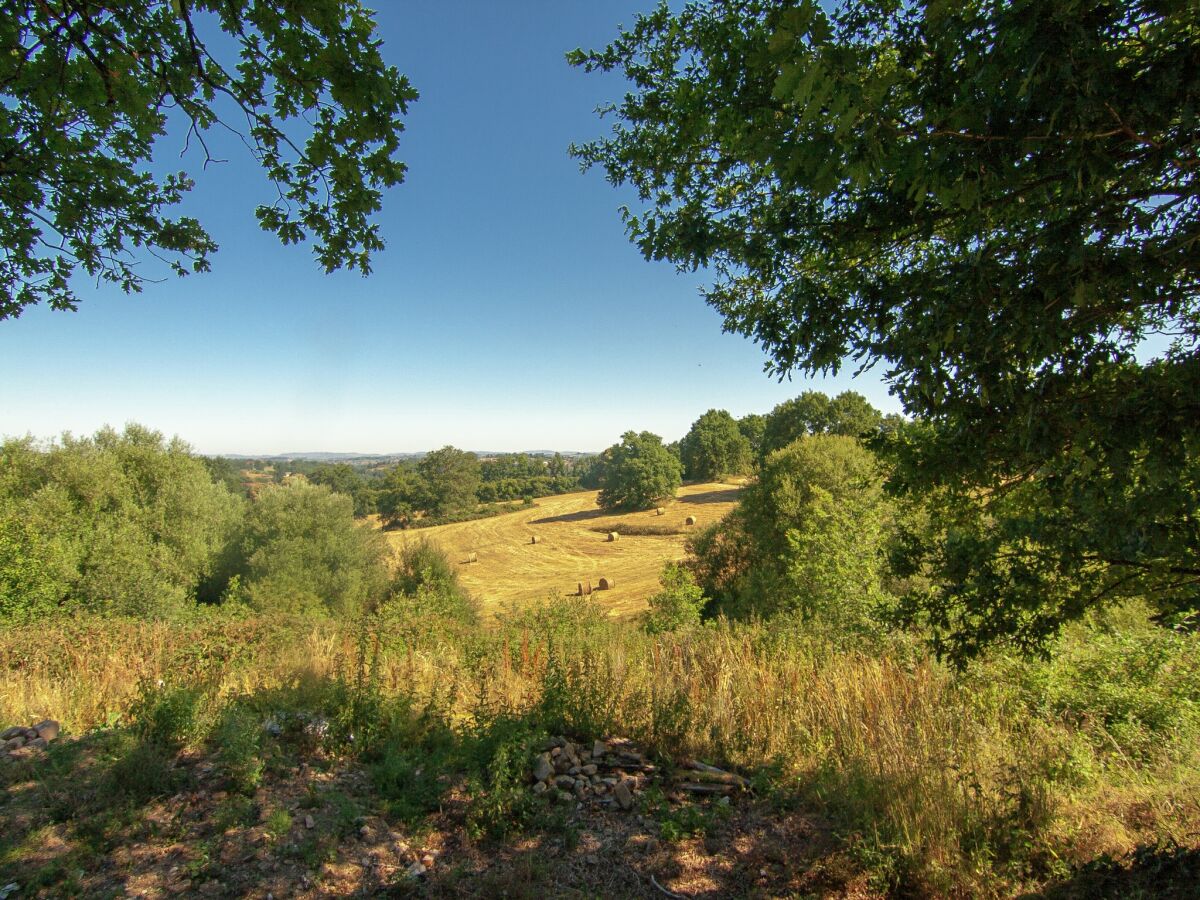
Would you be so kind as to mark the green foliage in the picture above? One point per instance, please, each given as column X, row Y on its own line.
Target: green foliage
column 302, row 552
column 343, row 478
column 807, row 537
column 714, row 446
column 121, row 523
column 89, row 89
column 679, row 603
column 998, row 203
column 451, row 478
column 237, row 739
column 638, row 473
column 812, row 412
column 752, row 426
column 426, row 585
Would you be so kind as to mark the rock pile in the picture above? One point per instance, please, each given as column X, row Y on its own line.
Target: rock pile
column 20, row 743
column 604, row 773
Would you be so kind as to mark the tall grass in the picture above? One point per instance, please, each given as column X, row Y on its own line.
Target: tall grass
column 950, row 782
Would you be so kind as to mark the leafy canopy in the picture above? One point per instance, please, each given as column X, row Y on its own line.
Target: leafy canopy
column 86, row 89
column 714, row 446
column 638, row 472
column 995, row 202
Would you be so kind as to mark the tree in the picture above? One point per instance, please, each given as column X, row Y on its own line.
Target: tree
column 124, row 523
column 714, row 446
column 88, row 88
column 452, row 479
column 848, row 414
column 999, row 202
column 402, row 493
column 807, row 537
column 345, row 479
column 751, row 426
column 302, row 552
column 638, row 473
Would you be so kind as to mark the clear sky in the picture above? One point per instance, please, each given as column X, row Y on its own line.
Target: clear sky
column 509, row 311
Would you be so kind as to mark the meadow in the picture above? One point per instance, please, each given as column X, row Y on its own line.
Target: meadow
column 510, row 570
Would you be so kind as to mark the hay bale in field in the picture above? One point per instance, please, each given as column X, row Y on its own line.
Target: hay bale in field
column 534, row 539
column 606, row 584
column 690, row 520
column 585, row 588
column 613, row 536
column 472, row 557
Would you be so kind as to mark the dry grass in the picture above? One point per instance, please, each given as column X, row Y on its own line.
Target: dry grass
column 572, row 547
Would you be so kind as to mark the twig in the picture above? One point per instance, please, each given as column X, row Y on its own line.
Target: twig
column 654, row 881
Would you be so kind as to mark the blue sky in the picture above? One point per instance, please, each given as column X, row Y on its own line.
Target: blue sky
column 509, row 311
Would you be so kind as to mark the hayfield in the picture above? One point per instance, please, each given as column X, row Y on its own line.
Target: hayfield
column 573, row 547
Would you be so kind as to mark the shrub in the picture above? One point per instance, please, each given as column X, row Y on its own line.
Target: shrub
column 302, row 552
column 808, row 537
column 678, row 604
column 119, row 523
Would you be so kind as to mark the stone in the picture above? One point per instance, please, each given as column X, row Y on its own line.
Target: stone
column 540, row 788
column 15, row 743
column 624, row 795
column 30, row 734
column 599, row 748
column 561, row 765
column 416, row 870
column 556, row 752
column 47, row 729
column 542, row 767
column 565, row 797
column 590, row 769
column 581, row 789
column 564, row 782
column 574, row 770
column 38, row 744
column 428, row 860
column 9, row 733
column 309, row 822
column 365, row 831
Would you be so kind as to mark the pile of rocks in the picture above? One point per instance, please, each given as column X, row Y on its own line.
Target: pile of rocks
column 19, row 743
column 604, row 773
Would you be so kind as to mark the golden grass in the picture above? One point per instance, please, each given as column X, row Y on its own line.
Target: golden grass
column 573, row 547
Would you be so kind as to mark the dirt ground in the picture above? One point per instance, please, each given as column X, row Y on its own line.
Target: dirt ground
column 573, row 547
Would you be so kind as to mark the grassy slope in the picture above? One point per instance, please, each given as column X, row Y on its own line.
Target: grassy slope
column 511, row 571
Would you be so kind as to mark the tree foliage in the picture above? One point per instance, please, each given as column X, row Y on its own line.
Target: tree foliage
column 714, row 446
column 638, row 473
column 89, row 88
column 807, row 537
column 117, row 523
column 301, row 552
column 452, row 479
column 848, row 414
column 995, row 202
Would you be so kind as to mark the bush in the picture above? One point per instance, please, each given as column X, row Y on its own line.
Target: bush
column 117, row 523
column 426, row 583
column 302, row 552
column 678, row 604
column 808, row 538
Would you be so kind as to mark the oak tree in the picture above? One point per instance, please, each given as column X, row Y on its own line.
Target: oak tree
column 996, row 204
column 87, row 88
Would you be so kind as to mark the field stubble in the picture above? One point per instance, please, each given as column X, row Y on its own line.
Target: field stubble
column 572, row 548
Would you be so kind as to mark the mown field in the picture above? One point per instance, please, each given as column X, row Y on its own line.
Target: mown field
column 511, row 571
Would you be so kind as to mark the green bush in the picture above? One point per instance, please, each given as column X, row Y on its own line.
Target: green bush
column 117, row 523
column 807, row 538
column 302, row 552
column 678, row 604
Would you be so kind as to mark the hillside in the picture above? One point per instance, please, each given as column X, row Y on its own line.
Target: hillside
column 510, row 570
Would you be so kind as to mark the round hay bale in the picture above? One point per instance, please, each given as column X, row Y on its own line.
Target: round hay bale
column 613, row 536
column 607, row 584
column 472, row 557
column 660, row 511
column 690, row 520
column 534, row 539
